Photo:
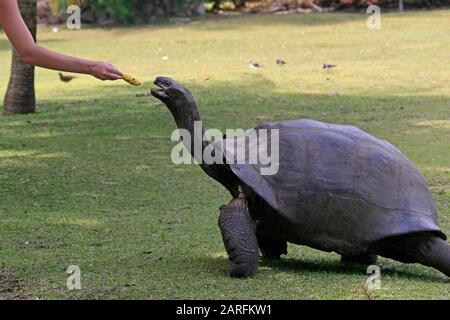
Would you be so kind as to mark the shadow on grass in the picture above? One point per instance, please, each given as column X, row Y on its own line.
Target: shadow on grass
column 228, row 105
column 297, row 266
column 293, row 265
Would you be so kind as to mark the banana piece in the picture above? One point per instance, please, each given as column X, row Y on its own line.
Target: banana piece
column 131, row 80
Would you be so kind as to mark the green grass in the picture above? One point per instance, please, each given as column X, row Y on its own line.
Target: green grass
column 88, row 180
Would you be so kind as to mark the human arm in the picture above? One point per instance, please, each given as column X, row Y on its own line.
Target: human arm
column 31, row 53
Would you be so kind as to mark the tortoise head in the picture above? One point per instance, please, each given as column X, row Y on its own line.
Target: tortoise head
column 171, row 93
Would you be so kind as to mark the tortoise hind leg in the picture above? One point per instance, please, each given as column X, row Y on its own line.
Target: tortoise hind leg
column 272, row 249
column 239, row 237
column 364, row 259
column 426, row 249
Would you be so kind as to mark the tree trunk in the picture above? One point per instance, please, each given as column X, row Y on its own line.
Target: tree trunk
column 20, row 96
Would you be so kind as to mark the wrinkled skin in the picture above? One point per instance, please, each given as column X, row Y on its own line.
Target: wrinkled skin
column 359, row 201
column 239, row 236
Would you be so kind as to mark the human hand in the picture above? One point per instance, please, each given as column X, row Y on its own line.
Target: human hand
column 104, row 71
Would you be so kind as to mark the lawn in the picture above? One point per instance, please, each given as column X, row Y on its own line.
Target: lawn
column 88, row 179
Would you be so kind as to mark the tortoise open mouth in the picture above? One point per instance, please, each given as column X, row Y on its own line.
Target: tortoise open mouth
column 159, row 92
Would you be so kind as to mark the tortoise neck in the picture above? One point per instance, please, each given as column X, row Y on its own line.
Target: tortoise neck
column 188, row 118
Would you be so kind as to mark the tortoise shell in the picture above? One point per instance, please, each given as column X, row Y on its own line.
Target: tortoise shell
column 337, row 188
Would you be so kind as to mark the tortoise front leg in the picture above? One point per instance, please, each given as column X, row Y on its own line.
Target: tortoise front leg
column 239, row 236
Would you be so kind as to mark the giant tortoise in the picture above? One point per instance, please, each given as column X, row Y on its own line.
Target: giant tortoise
column 337, row 189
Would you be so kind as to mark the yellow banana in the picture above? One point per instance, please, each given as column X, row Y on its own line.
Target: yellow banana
column 131, row 80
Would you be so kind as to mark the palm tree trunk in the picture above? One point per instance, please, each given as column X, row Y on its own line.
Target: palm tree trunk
column 20, row 96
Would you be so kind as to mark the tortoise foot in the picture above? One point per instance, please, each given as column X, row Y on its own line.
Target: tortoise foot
column 239, row 237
